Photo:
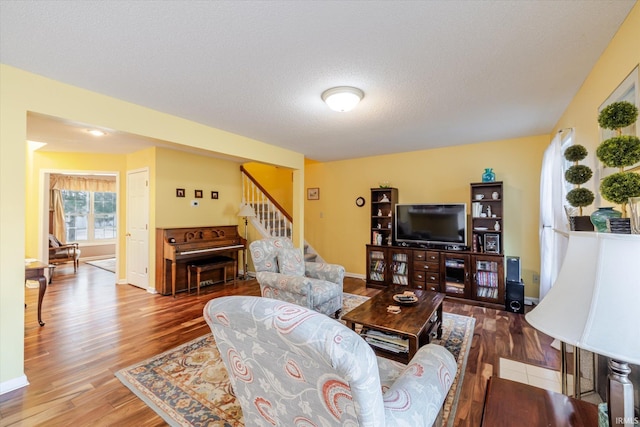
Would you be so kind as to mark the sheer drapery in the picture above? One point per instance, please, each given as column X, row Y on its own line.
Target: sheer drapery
column 59, row 227
column 553, row 227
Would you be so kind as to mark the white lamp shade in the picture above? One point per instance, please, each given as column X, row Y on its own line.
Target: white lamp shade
column 595, row 302
column 246, row 211
column 343, row 98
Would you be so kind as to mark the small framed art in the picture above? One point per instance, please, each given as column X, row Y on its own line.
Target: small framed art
column 214, row 195
column 313, row 194
column 179, row 192
column 492, row 243
column 198, row 194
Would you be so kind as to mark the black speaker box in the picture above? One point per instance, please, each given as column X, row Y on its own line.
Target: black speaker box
column 513, row 269
column 514, row 301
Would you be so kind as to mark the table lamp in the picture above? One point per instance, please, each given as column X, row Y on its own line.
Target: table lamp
column 594, row 305
column 246, row 211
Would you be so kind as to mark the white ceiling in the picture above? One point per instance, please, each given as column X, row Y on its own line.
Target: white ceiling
column 434, row 73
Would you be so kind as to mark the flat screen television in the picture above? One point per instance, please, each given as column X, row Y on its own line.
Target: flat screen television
column 432, row 224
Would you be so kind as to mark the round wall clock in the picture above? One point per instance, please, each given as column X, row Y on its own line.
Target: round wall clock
column 360, row 202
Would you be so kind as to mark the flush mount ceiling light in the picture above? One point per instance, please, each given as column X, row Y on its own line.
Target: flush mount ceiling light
column 96, row 132
column 343, row 98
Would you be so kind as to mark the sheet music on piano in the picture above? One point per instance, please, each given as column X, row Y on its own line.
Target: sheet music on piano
column 177, row 247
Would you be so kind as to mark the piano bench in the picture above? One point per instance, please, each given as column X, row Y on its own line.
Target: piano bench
column 217, row 263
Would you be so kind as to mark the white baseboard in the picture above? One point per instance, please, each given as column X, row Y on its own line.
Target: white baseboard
column 531, row 301
column 356, row 276
column 13, row 384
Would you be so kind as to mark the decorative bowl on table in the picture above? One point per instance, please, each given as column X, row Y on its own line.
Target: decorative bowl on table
column 405, row 299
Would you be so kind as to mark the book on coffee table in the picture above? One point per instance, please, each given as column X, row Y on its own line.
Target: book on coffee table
column 390, row 342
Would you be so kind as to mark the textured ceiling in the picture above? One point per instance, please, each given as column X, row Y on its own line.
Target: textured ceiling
column 434, row 73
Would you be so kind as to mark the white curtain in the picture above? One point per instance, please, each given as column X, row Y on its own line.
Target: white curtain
column 553, row 226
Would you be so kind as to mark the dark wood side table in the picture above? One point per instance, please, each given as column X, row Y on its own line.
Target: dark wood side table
column 509, row 403
column 35, row 271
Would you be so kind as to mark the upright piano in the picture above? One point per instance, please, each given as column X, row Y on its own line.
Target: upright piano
column 176, row 248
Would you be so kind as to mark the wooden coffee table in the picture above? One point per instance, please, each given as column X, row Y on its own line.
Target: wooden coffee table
column 417, row 322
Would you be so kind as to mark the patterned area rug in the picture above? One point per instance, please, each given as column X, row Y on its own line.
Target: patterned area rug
column 188, row 385
column 105, row 264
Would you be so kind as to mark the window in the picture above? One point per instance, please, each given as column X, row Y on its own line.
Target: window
column 104, row 221
column 89, row 216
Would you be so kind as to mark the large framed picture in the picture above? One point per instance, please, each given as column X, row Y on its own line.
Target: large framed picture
column 492, row 243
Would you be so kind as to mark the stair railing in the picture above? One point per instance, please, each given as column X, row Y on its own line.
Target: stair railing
column 271, row 219
column 274, row 221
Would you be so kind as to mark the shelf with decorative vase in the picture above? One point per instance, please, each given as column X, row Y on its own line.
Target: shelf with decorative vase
column 488, row 175
column 600, row 216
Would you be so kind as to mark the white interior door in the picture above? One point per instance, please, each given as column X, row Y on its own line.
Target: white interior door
column 138, row 228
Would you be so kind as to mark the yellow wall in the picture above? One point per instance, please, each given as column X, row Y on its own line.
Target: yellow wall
column 192, row 172
column 621, row 56
column 339, row 230
column 23, row 92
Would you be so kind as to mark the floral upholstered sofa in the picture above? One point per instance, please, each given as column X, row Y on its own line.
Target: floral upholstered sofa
column 291, row 366
column 283, row 274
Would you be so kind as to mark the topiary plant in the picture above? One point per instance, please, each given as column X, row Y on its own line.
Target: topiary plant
column 618, row 187
column 577, row 175
column 618, row 115
column 618, row 152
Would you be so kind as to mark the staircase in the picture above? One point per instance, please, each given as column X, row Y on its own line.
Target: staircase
column 271, row 219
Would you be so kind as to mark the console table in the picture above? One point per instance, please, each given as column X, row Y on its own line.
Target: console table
column 35, row 270
column 508, row 403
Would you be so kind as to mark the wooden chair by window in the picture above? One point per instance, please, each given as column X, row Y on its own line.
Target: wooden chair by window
column 60, row 253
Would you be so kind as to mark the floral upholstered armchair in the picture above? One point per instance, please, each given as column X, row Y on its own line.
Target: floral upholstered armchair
column 291, row 366
column 283, row 274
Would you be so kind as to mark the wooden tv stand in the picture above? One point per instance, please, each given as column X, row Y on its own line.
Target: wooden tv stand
column 462, row 275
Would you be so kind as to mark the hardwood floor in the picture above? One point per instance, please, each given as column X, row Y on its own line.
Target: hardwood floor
column 95, row 328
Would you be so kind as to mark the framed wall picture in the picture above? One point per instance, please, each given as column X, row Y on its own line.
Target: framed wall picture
column 313, row 194
column 492, row 243
column 214, row 195
column 179, row 192
column 198, row 194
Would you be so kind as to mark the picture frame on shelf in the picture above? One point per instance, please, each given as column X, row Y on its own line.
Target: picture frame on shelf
column 492, row 243
column 313, row 193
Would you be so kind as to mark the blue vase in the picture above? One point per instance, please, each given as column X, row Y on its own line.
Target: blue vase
column 488, row 175
column 599, row 218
